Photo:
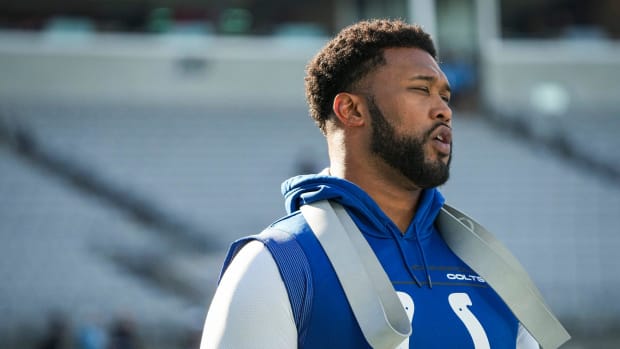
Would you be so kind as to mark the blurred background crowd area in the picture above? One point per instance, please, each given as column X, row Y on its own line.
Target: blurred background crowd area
column 520, row 19
column 138, row 138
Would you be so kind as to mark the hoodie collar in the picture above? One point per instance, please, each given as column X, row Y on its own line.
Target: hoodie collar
column 366, row 213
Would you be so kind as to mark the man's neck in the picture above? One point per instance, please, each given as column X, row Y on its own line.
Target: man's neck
column 397, row 201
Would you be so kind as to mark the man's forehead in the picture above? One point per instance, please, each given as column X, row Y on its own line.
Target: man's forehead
column 408, row 63
column 414, row 59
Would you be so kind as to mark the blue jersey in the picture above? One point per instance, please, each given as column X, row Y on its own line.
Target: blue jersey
column 449, row 305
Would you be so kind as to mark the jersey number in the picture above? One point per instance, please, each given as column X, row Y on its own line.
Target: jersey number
column 460, row 303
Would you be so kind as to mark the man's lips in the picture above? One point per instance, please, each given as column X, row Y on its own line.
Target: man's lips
column 442, row 138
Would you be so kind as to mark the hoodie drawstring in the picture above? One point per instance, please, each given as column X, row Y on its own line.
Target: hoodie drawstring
column 428, row 275
column 408, row 264
column 403, row 256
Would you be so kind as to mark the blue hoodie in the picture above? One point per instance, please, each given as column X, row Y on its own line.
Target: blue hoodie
column 450, row 305
column 368, row 216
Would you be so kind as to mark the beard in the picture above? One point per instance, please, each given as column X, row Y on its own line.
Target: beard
column 406, row 153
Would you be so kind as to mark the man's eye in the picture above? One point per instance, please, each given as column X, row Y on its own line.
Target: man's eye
column 446, row 99
column 421, row 88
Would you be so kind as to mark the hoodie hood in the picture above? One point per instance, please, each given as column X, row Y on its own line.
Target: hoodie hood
column 365, row 212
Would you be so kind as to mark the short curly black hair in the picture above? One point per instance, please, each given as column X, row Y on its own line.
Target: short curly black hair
column 351, row 55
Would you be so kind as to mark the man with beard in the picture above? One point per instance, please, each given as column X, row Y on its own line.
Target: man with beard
column 382, row 102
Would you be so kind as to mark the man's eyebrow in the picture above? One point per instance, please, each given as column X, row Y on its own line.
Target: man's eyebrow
column 429, row 78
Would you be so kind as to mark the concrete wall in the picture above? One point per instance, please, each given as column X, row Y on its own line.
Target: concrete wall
column 153, row 69
column 517, row 77
column 551, row 77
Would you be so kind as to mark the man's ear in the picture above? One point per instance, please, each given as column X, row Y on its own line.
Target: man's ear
column 348, row 109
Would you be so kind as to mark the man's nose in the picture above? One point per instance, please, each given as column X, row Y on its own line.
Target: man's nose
column 442, row 111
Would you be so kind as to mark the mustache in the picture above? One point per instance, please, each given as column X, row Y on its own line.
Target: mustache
column 427, row 134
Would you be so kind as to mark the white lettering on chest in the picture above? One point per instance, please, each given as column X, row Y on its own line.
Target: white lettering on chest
column 460, row 303
column 463, row 277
